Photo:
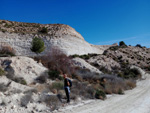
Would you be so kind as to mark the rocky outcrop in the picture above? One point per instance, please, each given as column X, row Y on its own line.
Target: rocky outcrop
column 84, row 65
column 19, row 36
column 23, row 67
column 116, row 58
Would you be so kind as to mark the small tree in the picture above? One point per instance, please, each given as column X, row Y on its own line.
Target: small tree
column 138, row 45
column 37, row 45
column 44, row 30
column 121, row 43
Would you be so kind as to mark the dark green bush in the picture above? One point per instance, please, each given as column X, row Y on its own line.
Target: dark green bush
column 100, row 94
column 83, row 56
column 41, row 79
column 74, row 56
column 20, row 80
column 138, row 45
column 53, row 74
column 43, row 30
column 120, row 91
column 37, row 45
column 121, row 43
column 130, row 73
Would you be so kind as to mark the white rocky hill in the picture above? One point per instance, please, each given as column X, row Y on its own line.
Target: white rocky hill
column 19, row 36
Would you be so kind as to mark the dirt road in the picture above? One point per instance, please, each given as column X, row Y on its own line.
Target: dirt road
column 134, row 101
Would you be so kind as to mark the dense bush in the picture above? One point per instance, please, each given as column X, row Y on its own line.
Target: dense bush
column 112, row 84
column 121, row 43
column 7, row 51
column 53, row 74
column 20, row 80
column 130, row 73
column 56, row 61
column 41, row 79
column 83, row 89
column 100, row 94
column 37, row 45
column 138, row 45
column 85, row 56
column 43, row 30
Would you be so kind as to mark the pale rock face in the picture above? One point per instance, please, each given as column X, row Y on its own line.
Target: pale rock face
column 23, row 67
column 84, row 65
column 65, row 38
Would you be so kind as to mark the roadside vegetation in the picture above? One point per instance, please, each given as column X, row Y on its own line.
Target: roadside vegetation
column 6, row 51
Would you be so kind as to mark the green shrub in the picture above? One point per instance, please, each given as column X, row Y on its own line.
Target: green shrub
column 130, row 73
column 53, row 74
column 120, row 75
column 85, row 57
column 44, row 30
column 120, row 91
column 57, row 85
column 74, row 56
column 82, row 56
column 100, row 94
column 121, row 43
column 37, row 45
column 2, row 72
column 138, row 45
column 113, row 48
column 41, row 79
column 20, row 80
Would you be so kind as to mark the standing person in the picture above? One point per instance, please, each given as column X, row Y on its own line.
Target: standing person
column 67, row 85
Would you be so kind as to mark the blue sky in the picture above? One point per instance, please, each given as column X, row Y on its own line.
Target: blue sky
column 100, row 22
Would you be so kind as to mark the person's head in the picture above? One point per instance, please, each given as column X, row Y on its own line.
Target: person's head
column 65, row 75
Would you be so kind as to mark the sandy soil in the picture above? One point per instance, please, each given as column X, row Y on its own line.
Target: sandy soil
column 134, row 101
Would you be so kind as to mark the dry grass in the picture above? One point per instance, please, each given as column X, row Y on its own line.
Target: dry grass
column 59, row 85
column 82, row 89
column 56, row 60
column 52, row 101
column 130, row 83
column 7, row 51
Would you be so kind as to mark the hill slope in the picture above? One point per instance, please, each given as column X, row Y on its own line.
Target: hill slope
column 19, row 36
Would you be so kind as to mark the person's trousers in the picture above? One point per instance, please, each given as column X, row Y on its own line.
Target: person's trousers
column 67, row 90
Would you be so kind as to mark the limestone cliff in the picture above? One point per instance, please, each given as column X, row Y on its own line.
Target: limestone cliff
column 19, row 36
